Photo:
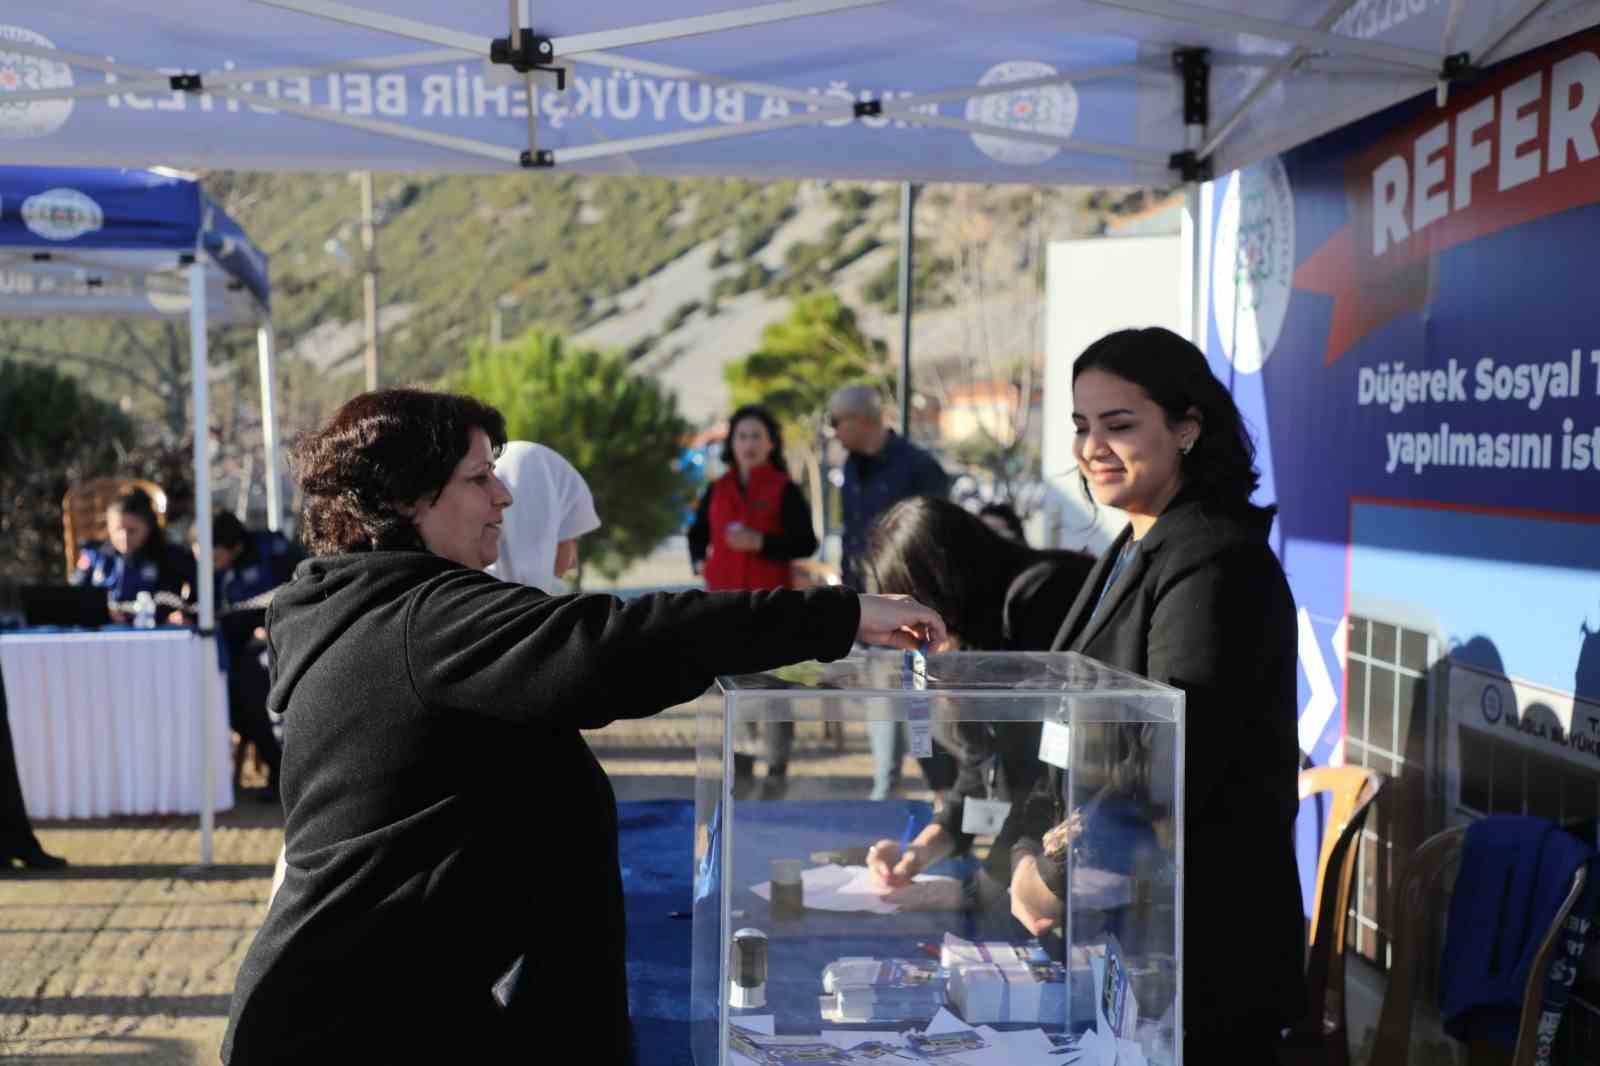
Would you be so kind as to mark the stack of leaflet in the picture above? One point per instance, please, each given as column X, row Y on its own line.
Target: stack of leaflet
column 881, row 990
column 1000, row 982
column 957, row 952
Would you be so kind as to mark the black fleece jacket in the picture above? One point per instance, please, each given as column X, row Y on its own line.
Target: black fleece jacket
column 444, row 815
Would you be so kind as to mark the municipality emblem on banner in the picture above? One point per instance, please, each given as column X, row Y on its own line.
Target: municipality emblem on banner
column 23, row 72
column 61, row 214
column 1051, row 109
column 1252, row 264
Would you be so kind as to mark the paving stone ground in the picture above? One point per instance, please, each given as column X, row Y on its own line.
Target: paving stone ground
column 129, row 955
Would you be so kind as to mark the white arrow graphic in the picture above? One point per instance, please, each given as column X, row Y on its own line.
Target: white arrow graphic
column 1319, row 708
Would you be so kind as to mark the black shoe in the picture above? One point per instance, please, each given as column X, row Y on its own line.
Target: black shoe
column 35, row 858
column 774, row 786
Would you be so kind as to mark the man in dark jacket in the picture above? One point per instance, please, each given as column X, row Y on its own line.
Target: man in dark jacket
column 883, row 469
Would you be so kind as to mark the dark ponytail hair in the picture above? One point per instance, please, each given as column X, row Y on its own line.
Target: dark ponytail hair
column 137, row 503
column 1172, row 371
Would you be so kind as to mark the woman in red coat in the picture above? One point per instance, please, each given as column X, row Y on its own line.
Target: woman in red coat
column 752, row 523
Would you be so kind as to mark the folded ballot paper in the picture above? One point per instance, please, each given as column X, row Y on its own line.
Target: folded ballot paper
column 881, row 990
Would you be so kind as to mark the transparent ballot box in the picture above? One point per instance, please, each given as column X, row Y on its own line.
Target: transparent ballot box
column 802, row 955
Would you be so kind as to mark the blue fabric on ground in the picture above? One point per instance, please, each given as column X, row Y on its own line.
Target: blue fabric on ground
column 655, row 843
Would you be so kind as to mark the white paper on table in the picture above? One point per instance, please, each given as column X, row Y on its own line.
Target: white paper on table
column 1020, row 1045
column 1096, row 1048
column 944, row 1022
column 850, row 889
column 756, row 1023
column 845, row 1039
column 1100, row 890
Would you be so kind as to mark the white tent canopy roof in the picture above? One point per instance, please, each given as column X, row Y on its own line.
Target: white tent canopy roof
column 1071, row 91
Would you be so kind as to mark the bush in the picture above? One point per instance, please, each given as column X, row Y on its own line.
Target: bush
column 56, row 435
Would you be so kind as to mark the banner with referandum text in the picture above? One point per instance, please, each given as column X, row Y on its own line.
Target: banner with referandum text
column 1407, row 313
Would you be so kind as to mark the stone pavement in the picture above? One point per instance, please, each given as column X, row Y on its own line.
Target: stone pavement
column 129, row 954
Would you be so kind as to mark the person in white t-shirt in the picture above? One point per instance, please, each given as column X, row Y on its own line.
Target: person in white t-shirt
column 553, row 508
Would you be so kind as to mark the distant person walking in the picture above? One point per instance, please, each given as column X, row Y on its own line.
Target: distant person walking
column 752, row 524
column 883, row 469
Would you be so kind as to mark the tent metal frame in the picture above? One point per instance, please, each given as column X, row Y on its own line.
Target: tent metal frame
column 535, row 57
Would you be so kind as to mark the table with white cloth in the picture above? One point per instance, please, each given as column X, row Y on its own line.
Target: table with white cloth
column 109, row 722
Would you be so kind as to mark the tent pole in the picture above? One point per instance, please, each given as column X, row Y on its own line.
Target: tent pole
column 205, row 656
column 266, row 348
column 908, row 207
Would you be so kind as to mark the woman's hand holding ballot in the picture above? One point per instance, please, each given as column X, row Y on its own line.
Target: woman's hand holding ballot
column 898, row 622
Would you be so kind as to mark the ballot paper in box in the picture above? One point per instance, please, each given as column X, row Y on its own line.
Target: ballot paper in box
column 958, row 952
column 1113, row 745
column 881, row 990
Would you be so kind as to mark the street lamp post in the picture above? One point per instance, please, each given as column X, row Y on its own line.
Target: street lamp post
column 369, row 280
column 497, row 326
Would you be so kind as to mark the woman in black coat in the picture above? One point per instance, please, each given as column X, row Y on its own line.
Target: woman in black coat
column 995, row 594
column 452, row 884
column 1191, row 595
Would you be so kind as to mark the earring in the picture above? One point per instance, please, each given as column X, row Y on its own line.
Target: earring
column 1187, row 448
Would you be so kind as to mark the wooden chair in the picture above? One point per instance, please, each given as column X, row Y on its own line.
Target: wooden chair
column 1417, row 900
column 83, row 511
column 1322, row 1037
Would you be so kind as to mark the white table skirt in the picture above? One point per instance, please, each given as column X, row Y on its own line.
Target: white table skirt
column 109, row 723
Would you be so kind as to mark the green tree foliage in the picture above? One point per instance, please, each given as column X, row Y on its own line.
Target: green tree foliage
column 622, row 431
column 801, row 361
column 804, row 357
column 55, row 434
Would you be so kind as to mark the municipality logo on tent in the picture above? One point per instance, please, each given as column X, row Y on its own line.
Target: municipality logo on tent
column 22, row 72
column 1050, row 109
column 1252, row 264
column 61, row 214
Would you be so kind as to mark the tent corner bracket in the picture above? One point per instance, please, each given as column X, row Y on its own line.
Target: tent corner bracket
column 537, row 160
column 527, row 53
column 185, row 83
column 868, row 108
column 1190, row 166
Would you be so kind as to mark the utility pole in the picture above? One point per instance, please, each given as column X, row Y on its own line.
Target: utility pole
column 369, row 279
column 908, row 204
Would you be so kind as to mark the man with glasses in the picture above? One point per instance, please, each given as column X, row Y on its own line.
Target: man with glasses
column 883, row 469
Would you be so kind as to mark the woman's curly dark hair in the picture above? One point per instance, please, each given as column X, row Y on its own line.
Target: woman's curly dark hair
column 1174, row 373
column 380, row 451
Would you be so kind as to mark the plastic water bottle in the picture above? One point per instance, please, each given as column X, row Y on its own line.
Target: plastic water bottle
column 144, row 611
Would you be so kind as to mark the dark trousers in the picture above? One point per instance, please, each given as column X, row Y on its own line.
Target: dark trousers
column 248, row 683
column 16, row 832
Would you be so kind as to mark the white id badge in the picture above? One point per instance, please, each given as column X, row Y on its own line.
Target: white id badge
column 920, row 727
column 1055, row 744
column 982, row 817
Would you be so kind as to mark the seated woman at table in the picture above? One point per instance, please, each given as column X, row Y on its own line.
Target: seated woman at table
column 135, row 557
column 1190, row 594
column 250, row 565
column 994, row 595
column 453, row 877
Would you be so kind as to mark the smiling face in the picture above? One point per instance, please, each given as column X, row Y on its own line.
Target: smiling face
column 463, row 524
column 1127, row 449
column 752, row 444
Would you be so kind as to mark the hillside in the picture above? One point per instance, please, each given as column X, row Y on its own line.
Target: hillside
column 681, row 274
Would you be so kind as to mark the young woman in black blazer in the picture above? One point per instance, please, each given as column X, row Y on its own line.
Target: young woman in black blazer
column 1191, row 595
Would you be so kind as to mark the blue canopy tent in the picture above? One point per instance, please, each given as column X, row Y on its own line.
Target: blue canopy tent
column 144, row 244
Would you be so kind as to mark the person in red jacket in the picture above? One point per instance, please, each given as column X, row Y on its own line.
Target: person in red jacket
column 751, row 524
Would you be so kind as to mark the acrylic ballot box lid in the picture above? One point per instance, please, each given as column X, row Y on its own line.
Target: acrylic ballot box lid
column 785, row 911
